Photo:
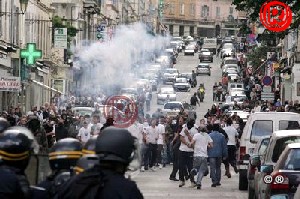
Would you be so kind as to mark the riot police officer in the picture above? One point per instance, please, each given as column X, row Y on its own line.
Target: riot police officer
column 89, row 158
column 116, row 149
column 63, row 158
column 17, row 144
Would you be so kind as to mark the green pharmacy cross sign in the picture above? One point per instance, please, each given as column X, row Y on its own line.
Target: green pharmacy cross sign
column 31, row 53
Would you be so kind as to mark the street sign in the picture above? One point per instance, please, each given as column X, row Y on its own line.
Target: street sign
column 61, row 38
column 267, row 81
column 30, row 54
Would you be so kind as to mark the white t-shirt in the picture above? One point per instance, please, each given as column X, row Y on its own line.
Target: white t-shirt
column 95, row 128
column 84, row 134
column 232, row 134
column 152, row 135
column 161, row 132
column 192, row 132
column 136, row 130
column 201, row 142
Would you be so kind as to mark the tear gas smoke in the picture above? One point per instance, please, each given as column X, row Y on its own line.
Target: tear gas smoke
column 111, row 62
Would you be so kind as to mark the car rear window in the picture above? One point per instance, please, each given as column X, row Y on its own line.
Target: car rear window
column 292, row 161
column 288, row 125
column 281, row 144
column 261, row 128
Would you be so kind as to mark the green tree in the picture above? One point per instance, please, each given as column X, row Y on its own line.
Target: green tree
column 257, row 55
column 252, row 7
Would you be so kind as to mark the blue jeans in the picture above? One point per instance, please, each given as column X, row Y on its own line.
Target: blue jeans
column 200, row 165
column 215, row 169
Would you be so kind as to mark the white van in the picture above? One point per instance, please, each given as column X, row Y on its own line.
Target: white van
column 260, row 124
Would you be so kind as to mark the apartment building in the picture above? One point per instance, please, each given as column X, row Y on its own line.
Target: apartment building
column 205, row 18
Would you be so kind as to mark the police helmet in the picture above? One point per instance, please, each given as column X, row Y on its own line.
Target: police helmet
column 89, row 147
column 116, row 144
column 86, row 162
column 64, row 154
column 16, row 146
column 4, row 124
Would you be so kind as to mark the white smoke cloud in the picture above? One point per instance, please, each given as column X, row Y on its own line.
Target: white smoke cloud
column 111, row 62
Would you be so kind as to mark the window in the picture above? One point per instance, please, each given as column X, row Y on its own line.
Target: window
column 171, row 29
column 204, row 11
column 192, row 9
column 281, row 144
column 182, row 9
column 231, row 10
column 288, row 125
column 261, row 128
column 292, row 162
column 218, row 12
column 172, row 9
column 263, row 146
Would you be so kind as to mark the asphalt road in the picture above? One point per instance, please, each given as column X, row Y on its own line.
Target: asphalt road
column 157, row 184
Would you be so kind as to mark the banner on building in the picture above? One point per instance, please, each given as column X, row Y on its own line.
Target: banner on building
column 12, row 84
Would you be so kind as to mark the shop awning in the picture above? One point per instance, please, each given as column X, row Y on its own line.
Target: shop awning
column 45, row 86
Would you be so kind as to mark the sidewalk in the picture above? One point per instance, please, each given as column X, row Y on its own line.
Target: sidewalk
column 156, row 185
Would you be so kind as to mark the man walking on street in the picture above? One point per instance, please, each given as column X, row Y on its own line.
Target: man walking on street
column 201, row 141
column 216, row 154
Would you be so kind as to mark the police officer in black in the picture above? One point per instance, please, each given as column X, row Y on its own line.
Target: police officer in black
column 116, row 149
column 4, row 124
column 17, row 144
column 89, row 158
column 63, row 157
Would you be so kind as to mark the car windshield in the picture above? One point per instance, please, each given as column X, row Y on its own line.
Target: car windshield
column 187, row 75
column 204, row 50
column 202, row 66
column 261, row 128
column 181, row 80
column 171, row 71
column 167, row 91
column 281, row 144
column 230, row 61
column 227, row 46
column 172, row 106
column 292, row 161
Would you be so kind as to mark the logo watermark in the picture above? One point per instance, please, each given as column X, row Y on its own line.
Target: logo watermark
column 268, row 179
column 122, row 109
column 275, row 16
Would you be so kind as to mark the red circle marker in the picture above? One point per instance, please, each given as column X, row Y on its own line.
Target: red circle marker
column 275, row 16
column 122, row 109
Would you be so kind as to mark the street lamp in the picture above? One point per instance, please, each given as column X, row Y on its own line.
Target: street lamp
column 23, row 6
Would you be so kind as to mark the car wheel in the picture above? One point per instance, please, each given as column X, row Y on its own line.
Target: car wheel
column 193, row 54
column 243, row 181
column 209, row 74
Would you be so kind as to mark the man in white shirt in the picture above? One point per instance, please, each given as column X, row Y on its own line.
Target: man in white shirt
column 95, row 125
column 186, row 151
column 144, row 146
column 160, row 142
column 200, row 143
column 84, row 133
column 231, row 144
column 151, row 137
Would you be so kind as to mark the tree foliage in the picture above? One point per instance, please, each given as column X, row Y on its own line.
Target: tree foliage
column 258, row 54
column 252, row 7
column 58, row 22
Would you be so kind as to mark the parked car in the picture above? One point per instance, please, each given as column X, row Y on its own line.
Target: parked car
column 284, row 173
column 260, row 124
column 259, row 151
column 279, row 140
column 231, row 66
column 172, row 108
column 190, row 79
column 189, row 50
column 227, row 50
column 182, row 84
column 206, row 55
column 203, row 68
column 229, row 60
column 164, row 93
column 170, row 74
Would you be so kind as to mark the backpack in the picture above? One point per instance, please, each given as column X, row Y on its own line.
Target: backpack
column 86, row 185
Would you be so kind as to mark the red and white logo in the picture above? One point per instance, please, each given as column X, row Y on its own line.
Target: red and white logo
column 122, row 109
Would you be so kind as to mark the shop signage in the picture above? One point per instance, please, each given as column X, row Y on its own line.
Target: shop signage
column 12, row 84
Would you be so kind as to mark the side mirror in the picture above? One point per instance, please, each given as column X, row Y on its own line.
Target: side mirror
column 266, row 168
column 255, row 161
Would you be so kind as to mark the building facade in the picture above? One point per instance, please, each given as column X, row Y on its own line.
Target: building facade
column 207, row 18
